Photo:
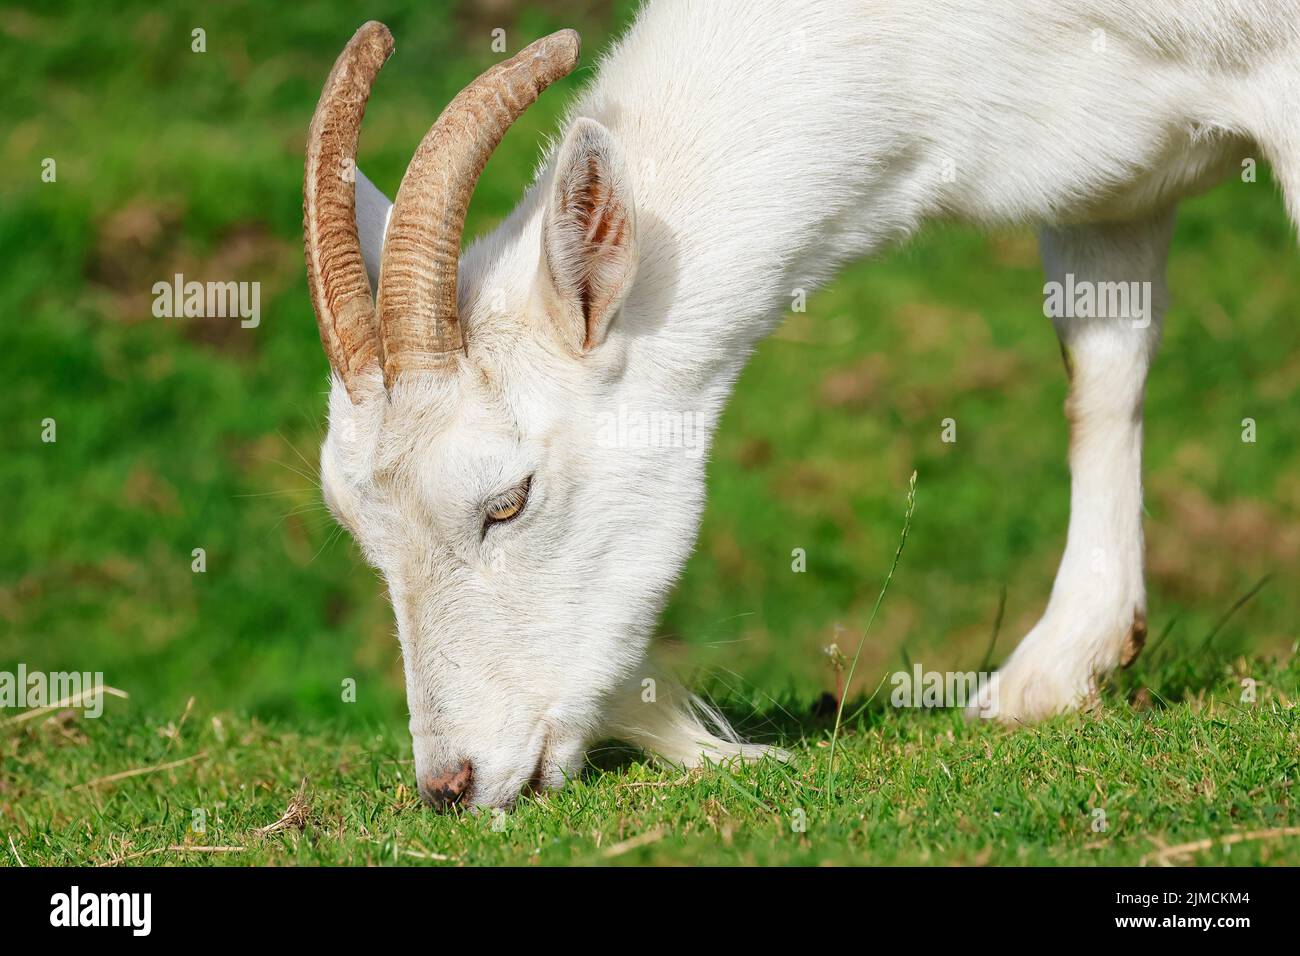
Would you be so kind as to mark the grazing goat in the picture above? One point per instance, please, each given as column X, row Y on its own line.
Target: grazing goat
column 725, row 155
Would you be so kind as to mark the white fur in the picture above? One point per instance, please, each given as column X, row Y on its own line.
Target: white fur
column 757, row 147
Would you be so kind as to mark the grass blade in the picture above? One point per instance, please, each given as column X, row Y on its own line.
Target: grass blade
column 848, row 680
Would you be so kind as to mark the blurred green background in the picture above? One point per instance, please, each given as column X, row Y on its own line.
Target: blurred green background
column 176, row 434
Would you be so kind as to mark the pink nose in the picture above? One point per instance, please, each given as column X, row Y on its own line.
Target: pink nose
column 446, row 789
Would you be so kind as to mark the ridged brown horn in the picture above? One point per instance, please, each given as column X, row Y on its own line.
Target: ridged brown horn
column 419, row 324
column 336, row 273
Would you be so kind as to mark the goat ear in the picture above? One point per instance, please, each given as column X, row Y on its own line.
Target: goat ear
column 373, row 211
column 589, row 249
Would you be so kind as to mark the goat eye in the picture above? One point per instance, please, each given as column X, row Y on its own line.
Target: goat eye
column 508, row 506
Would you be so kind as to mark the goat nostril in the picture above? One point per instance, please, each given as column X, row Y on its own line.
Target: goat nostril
column 446, row 789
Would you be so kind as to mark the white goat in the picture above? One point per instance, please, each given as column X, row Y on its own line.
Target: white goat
column 725, row 155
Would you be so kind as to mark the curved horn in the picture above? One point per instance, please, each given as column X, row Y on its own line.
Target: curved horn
column 336, row 273
column 419, row 325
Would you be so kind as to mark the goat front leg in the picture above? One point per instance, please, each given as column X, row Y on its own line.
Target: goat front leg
column 1096, row 616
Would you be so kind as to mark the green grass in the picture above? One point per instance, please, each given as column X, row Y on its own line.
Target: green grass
column 180, row 434
column 1119, row 787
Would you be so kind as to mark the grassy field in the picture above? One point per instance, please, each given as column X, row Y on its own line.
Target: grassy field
column 177, row 434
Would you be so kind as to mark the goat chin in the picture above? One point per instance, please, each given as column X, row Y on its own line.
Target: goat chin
column 678, row 727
